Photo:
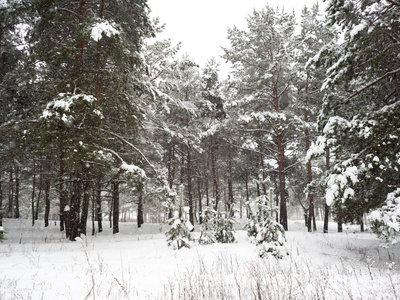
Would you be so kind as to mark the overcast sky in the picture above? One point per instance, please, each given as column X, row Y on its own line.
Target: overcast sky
column 201, row 25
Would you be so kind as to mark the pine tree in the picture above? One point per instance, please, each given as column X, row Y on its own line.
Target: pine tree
column 181, row 227
column 263, row 229
column 360, row 116
column 262, row 58
column 218, row 225
column 314, row 35
column 93, row 82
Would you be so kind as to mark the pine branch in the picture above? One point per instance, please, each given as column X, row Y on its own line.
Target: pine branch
column 122, row 139
column 374, row 82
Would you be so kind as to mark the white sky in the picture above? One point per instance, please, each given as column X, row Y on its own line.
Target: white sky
column 201, row 25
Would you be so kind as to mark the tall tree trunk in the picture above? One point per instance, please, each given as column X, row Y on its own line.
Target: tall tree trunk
column 214, row 171
column 189, row 183
column 75, row 202
column 47, row 194
column 171, row 175
column 115, row 196
column 10, row 211
column 140, row 220
column 247, row 194
column 200, row 198
column 80, row 46
column 16, row 211
column 87, row 188
column 281, row 164
column 93, row 209
column 230, row 182
column 99, row 215
column 326, row 206
column 311, row 209
column 33, row 192
column 63, row 195
column 40, row 190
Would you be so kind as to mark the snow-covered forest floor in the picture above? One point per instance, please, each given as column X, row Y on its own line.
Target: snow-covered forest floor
column 38, row 263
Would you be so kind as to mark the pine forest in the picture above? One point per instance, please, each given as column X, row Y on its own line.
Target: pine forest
column 105, row 127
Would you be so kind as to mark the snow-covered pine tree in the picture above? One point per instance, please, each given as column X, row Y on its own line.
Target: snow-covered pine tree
column 89, row 69
column 263, row 229
column 314, row 35
column 207, row 235
column 178, row 235
column 360, row 118
column 218, row 225
column 263, row 90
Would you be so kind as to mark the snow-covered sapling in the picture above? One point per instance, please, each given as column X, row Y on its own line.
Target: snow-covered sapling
column 263, row 229
column 218, row 226
column 178, row 235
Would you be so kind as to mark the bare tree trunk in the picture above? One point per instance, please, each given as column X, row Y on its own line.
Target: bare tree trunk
column 63, row 196
column 16, row 192
column 10, row 212
column 326, row 206
column 47, row 194
column 73, row 216
column 99, row 215
column 171, row 175
column 247, row 195
column 230, row 182
column 40, row 190
column 214, row 171
column 115, row 196
column 200, row 198
column 33, row 192
column 87, row 188
column 189, row 183
column 311, row 209
column 140, row 219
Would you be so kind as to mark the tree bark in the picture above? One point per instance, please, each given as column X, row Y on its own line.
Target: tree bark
column 326, row 206
column 281, row 164
column 171, row 175
column 10, row 211
column 189, row 183
column 63, row 195
column 115, row 196
column 33, row 192
column 47, row 194
column 247, row 194
column 40, row 190
column 200, row 198
column 230, row 182
column 140, row 220
column 75, row 203
column 87, row 188
column 99, row 215
column 16, row 199
column 214, row 171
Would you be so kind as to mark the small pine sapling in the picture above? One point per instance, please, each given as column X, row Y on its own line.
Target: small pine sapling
column 223, row 225
column 180, row 229
column 217, row 226
column 263, row 229
column 207, row 235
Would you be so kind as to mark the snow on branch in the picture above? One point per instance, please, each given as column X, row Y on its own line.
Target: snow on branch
column 106, row 28
column 122, row 139
column 131, row 169
column 374, row 82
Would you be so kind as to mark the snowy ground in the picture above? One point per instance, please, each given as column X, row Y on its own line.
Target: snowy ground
column 38, row 263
